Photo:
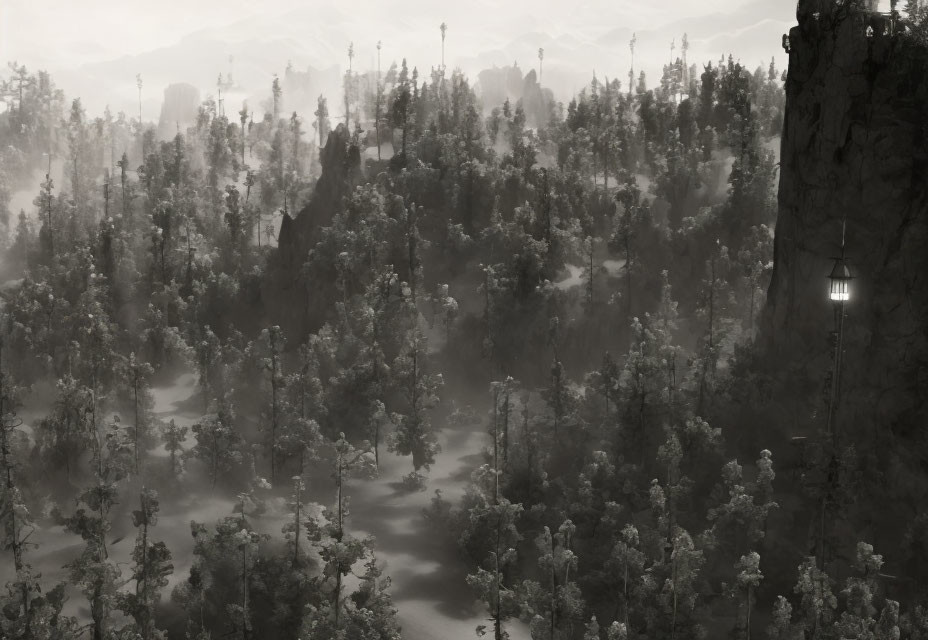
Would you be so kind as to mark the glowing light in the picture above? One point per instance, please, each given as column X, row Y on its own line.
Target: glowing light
column 839, row 289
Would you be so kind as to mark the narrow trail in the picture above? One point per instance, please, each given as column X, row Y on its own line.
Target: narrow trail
column 429, row 588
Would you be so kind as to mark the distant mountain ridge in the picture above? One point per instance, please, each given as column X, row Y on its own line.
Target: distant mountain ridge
column 316, row 36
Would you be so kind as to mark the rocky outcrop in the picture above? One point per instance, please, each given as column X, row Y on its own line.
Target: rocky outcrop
column 854, row 147
column 179, row 110
column 341, row 171
column 288, row 290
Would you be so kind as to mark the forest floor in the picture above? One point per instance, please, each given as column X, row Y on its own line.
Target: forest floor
column 427, row 571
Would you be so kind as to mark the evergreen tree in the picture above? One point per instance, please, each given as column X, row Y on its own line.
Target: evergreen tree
column 28, row 613
column 629, row 561
column 219, row 446
column 715, row 300
column 554, row 604
column 174, row 437
column 65, row 433
column 747, row 581
column 150, row 572
column 413, row 435
column 338, row 549
column 94, row 571
column 136, row 375
column 500, row 518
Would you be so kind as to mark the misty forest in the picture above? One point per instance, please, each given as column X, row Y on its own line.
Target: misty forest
column 435, row 356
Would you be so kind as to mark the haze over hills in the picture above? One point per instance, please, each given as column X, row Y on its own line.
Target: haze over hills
column 99, row 60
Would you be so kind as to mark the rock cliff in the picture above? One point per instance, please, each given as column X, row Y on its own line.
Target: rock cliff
column 854, row 146
column 289, row 290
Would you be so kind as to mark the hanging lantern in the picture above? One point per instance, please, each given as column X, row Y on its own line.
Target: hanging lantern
column 840, row 282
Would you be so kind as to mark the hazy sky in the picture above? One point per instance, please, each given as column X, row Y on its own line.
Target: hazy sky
column 95, row 47
column 63, row 33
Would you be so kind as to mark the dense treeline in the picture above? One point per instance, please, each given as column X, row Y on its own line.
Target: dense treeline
column 586, row 277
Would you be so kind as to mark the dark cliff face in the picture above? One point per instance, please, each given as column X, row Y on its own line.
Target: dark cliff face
column 341, row 163
column 807, row 8
column 288, row 291
column 854, row 145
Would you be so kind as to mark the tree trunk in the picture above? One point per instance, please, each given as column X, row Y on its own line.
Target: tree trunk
column 405, row 126
column 15, row 544
column 497, row 617
column 747, row 626
column 412, row 240
column 709, row 356
column 274, row 419
column 496, row 446
column 96, row 614
column 338, row 537
column 590, row 292
column 377, row 113
column 673, row 623
column 506, row 431
column 553, row 592
column 603, row 154
column 275, row 366
column 628, row 273
column 296, row 534
column 135, row 394
column 51, row 239
column 245, row 633
column 141, row 586
column 625, row 591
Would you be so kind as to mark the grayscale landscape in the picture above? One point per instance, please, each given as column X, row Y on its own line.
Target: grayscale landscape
column 430, row 320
